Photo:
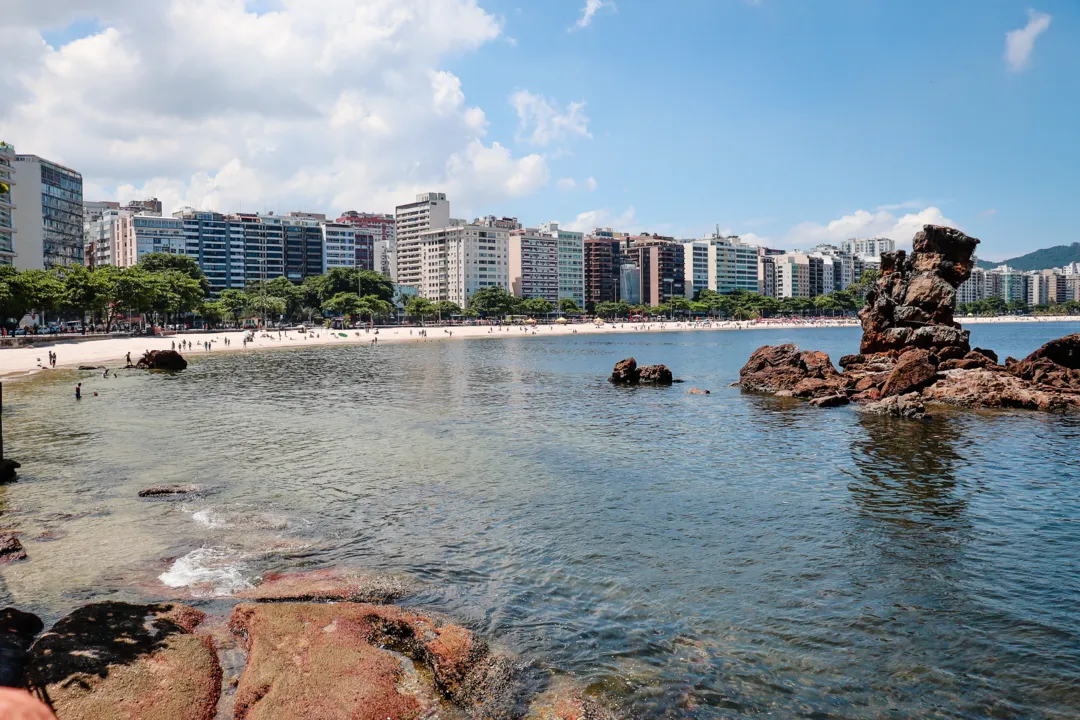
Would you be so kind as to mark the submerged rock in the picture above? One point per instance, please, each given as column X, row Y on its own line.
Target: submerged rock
column 366, row 661
column 10, row 548
column 17, row 631
column 566, row 700
column 132, row 662
column 161, row 360
column 906, row 406
column 335, row 584
column 168, row 490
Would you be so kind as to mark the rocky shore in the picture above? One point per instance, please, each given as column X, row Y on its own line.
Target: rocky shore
column 913, row 352
column 319, row 644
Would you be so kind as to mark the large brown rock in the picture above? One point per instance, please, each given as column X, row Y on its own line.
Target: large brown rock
column 655, row 375
column 161, row 360
column 1056, row 364
column 625, row 372
column 996, row 388
column 780, row 368
column 362, row 662
column 913, row 301
column 905, row 406
column 17, row 631
column 118, row 661
column 11, row 549
column 336, row 584
column 914, row 371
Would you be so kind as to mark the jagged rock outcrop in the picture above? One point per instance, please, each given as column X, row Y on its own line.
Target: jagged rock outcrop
column 155, row 491
column 10, row 548
column 118, row 660
column 330, row 584
column 161, row 360
column 627, row 372
column 912, row 349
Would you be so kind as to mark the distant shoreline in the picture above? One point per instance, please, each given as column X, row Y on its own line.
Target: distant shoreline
column 111, row 352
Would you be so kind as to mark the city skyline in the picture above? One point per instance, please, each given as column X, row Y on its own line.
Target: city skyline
column 789, row 127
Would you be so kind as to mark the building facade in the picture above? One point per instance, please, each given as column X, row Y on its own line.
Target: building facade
column 571, row 247
column 793, row 276
column 603, row 261
column 375, row 246
column 534, row 264
column 140, row 235
column 430, row 211
column 630, row 283
column 339, row 245
column 7, row 204
column 216, row 242
column 662, row 266
column 696, row 267
column 733, row 265
column 47, row 214
column 459, row 260
column 867, row 247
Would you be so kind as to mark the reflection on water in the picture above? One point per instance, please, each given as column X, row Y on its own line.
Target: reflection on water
column 694, row 556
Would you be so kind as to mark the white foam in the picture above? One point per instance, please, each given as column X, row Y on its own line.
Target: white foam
column 240, row 518
column 209, row 572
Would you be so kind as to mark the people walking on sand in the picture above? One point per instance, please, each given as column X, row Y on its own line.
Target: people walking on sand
column 78, row 391
column 129, row 358
column 174, row 345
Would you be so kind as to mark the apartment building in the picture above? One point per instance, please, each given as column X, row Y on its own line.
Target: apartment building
column 534, row 264
column 430, row 211
column 571, row 247
column 47, row 213
column 457, row 261
column 661, row 264
column 603, row 261
column 7, row 205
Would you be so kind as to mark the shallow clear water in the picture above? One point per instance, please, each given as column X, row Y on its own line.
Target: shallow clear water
column 693, row 556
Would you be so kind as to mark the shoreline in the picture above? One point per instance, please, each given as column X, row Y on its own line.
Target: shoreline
column 18, row 363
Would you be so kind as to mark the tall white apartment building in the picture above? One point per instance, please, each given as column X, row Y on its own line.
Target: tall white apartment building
column 571, row 262
column 7, row 205
column 973, row 289
column 534, row 265
column 733, row 265
column 793, row 275
column 339, row 245
column 100, row 235
column 696, row 267
column 457, row 261
column 867, row 247
column 48, row 214
column 430, row 211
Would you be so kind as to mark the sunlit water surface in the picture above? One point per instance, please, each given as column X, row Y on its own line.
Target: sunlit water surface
column 691, row 556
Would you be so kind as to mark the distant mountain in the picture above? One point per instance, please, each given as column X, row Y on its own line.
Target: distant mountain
column 1050, row 257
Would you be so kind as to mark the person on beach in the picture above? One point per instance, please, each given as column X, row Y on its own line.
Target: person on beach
column 129, row 359
column 78, row 391
column 174, row 345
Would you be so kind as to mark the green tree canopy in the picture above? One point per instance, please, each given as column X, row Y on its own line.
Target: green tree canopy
column 162, row 262
column 494, row 301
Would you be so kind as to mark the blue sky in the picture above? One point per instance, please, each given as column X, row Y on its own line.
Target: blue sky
column 787, row 121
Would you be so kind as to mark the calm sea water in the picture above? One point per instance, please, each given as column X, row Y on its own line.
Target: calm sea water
column 707, row 557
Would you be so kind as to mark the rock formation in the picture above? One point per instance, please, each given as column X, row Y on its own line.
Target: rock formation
column 10, row 548
column 333, row 584
column 168, row 490
column 17, row 631
column 161, row 360
column 627, row 372
column 913, row 351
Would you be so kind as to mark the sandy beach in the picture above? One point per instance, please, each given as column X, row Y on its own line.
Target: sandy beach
column 112, row 351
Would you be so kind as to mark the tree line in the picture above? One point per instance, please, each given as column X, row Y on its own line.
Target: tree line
column 998, row 306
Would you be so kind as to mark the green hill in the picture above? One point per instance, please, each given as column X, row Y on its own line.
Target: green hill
column 1050, row 257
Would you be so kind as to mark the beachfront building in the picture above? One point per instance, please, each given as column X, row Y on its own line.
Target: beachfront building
column 793, row 275
column 1072, row 287
column 661, row 264
column 534, row 264
column 1011, row 285
column 571, row 247
column 603, row 259
column 7, row 206
column 375, row 246
column 264, row 246
column 216, row 242
column 457, row 261
column 696, row 267
column 867, row 247
column 339, row 245
column 139, row 235
column 47, row 214
column 733, row 265
column 630, row 283
column 974, row 288
column 100, row 229
column 430, row 211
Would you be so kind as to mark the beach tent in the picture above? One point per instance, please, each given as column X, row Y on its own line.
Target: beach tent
column 562, row 321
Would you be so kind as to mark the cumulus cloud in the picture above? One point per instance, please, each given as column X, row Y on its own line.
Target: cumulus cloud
column 862, row 223
column 314, row 104
column 589, row 10
column 626, row 221
column 541, row 123
column 1019, row 43
column 566, row 184
column 590, row 183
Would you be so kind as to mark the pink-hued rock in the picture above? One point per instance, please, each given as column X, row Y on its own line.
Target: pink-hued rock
column 329, row 584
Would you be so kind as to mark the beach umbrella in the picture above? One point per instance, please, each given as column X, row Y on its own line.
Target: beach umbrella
column 562, row 321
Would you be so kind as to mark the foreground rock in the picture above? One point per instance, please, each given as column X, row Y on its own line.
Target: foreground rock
column 370, row 662
column 627, row 372
column 7, row 470
column 17, row 631
column 566, row 701
column 168, row 490
column 161, row 360
column 118, row 661
column 333, row 584
column 913, row 351
column 10, row 548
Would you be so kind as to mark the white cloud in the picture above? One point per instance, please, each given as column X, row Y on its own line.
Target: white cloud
column 566, row 184
column 589, row 10
column 863, row 223
column 1020, row 43
column 590, row 183
column 316, row 104
column 626, row 221
column 540, row 122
